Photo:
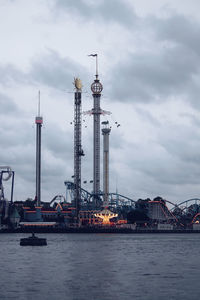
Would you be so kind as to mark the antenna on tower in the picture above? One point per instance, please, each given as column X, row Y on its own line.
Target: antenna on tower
column 39, row 103
column 95, row 55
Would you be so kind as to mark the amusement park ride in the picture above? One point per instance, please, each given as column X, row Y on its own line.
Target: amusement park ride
column 105, row 205
column 5, row 174
column 95, row 198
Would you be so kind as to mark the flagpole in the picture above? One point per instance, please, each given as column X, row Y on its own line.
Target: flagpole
column 95, row 55
column 96, row 67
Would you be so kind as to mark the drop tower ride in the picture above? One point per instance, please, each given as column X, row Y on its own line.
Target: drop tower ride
column 38, row 122
column 106, row 132
column 96, row 88
column 78, row 152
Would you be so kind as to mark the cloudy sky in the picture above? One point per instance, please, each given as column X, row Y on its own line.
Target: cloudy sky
column 150, row 68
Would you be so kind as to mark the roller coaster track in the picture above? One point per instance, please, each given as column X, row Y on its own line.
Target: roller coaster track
column 86, row 196
column 187, row 201
column 194, row 218
column 122, row 200
column 58, row 198
column 5, row 174
column 119, row 201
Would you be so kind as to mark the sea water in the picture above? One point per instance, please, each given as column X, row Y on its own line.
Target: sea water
column 101, row 267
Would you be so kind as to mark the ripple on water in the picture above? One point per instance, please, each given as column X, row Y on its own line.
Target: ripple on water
column 101, row 267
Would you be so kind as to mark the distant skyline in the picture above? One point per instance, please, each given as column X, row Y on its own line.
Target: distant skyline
column 150, row 70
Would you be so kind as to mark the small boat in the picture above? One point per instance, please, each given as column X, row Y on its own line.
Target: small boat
column 33, row 241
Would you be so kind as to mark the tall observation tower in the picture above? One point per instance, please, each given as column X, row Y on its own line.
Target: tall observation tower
column 78, row 152
column 96, row 88
column 106, row 214
column 106, row 132
column 38, row 122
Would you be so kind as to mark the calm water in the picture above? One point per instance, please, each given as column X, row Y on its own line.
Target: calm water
column 101, row 267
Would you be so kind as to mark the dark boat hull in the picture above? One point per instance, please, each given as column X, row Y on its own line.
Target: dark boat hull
column 33, row 241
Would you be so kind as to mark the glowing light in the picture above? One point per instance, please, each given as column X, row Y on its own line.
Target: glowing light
column 106, row 215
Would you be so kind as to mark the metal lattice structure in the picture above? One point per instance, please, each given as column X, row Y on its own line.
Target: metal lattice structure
column 58, row 198
column 185, row 203
column 85, row 195
column 78, row 152
column 118, row 200
column 115, row 200
column 5, row 170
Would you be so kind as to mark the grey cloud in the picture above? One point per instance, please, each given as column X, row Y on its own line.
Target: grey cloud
column 59, row 142
column 173, row 159
column 178, row 29
column 173, row 173
column 194, row 120
column 182, row 142
column 147, row 77
column 9, row 74
column 145, row 114
column 17, row 146
column 53, row 70
column 49, row 69
column 162, row 166
column 16, row 132
column 108, row 11
column 172, row 70
column 7, row 105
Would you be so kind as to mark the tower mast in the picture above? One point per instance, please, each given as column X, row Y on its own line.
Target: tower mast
column 96, row 88
column 106, row 132
column 78, row 152
column 38, row 122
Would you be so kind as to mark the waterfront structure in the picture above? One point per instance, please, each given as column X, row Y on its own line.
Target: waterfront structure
column 88, row 217
column 165, row 227
column 78, row 152
column 61, row 213
column 38, row 122
column 196, row 225
column 157, row 210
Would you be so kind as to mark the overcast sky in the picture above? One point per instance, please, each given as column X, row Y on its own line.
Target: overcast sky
column 149, row 65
